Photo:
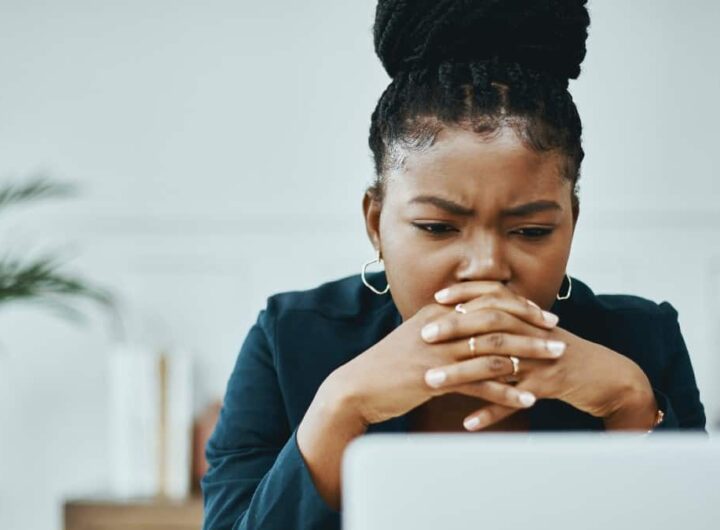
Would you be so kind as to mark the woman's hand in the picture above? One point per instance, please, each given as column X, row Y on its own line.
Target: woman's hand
column 391, row 378
column 588, row 376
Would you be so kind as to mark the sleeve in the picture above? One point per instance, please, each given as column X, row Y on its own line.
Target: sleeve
column 677, row 393
column 257, row 477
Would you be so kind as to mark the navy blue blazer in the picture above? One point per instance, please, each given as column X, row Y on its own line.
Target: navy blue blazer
column 257, row 477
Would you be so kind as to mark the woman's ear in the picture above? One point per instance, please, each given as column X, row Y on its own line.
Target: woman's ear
column 371, row 212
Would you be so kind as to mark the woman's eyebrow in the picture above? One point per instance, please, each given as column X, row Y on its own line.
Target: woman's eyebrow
column 444, row 204
column 516, row 211
column 530, row 208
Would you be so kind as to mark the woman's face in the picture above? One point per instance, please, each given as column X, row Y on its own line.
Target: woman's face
column 473, row 208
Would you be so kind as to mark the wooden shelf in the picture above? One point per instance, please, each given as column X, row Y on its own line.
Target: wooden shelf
column 133, row 514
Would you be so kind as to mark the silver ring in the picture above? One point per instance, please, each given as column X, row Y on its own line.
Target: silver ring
column 516, row 364
column 461, row 309
column 471, row 345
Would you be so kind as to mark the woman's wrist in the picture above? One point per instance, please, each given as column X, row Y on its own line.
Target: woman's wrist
column 336, row 400
column 637, row 413
column 328, row 427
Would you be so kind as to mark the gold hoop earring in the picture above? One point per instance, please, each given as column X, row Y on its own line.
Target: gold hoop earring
column 377, row 259
column 569, row 291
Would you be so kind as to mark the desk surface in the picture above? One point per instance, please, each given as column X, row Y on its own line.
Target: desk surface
column 106, row 513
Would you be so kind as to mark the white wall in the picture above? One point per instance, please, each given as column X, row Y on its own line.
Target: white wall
column 221, row 149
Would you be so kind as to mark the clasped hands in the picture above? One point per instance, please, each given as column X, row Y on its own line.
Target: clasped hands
column 553, row 363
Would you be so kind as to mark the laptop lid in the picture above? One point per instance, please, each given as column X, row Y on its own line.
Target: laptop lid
column 532, row 481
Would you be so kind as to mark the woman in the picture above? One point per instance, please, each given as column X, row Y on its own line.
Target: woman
column 474, row 325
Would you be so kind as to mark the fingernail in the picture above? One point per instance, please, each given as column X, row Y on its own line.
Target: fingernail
column 473, row 423
column 526, row 399
column 550, row 318
column 435, row 378
column 442, row 295
column 556, row 347
column 430, row 331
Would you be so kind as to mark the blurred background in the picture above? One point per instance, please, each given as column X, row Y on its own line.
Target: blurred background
column 219, row 149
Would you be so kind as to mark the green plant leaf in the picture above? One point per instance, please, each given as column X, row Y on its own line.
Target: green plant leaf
column 36, row 188
column 40, row 279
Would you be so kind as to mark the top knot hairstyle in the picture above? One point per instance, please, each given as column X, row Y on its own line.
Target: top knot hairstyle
column 481, row 65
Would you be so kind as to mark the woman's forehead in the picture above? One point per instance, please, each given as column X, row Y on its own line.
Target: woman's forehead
column 467, row 166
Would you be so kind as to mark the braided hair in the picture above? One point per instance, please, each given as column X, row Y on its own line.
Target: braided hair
column 481, row 65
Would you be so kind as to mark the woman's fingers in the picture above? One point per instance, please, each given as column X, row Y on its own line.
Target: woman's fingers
column 499, row 393
column 473, row 370
column 497, row 410
column 486, row 416
column 464, row 291
column 501, row 343
column 513, row 304
column 471, row 296
column 455, row 325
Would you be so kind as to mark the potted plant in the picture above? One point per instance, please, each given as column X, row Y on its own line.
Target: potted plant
column 40, row 279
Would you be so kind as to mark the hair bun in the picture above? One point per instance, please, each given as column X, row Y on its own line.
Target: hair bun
column 545, row 35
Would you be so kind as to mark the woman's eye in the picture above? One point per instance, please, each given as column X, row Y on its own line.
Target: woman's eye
column 435, row 228
column 534, row 233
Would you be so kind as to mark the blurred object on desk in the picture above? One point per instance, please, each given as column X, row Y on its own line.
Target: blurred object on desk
column 150, row 422
column 133, row 514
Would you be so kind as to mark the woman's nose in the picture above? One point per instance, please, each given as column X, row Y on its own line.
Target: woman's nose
column 485, row 260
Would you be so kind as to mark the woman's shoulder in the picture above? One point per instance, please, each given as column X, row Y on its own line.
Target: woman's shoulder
column 620, row 304
column 624, row 322
column 343, row 298
column 316, row 330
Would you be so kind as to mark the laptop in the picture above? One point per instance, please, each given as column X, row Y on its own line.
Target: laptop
column 496, row 481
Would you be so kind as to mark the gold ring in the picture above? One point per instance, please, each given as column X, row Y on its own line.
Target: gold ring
column 516, row 364
column 471, row 345
column 460, row 309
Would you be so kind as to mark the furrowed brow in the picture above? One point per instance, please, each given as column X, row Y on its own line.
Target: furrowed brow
column 530, row 208
column 444, row 204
